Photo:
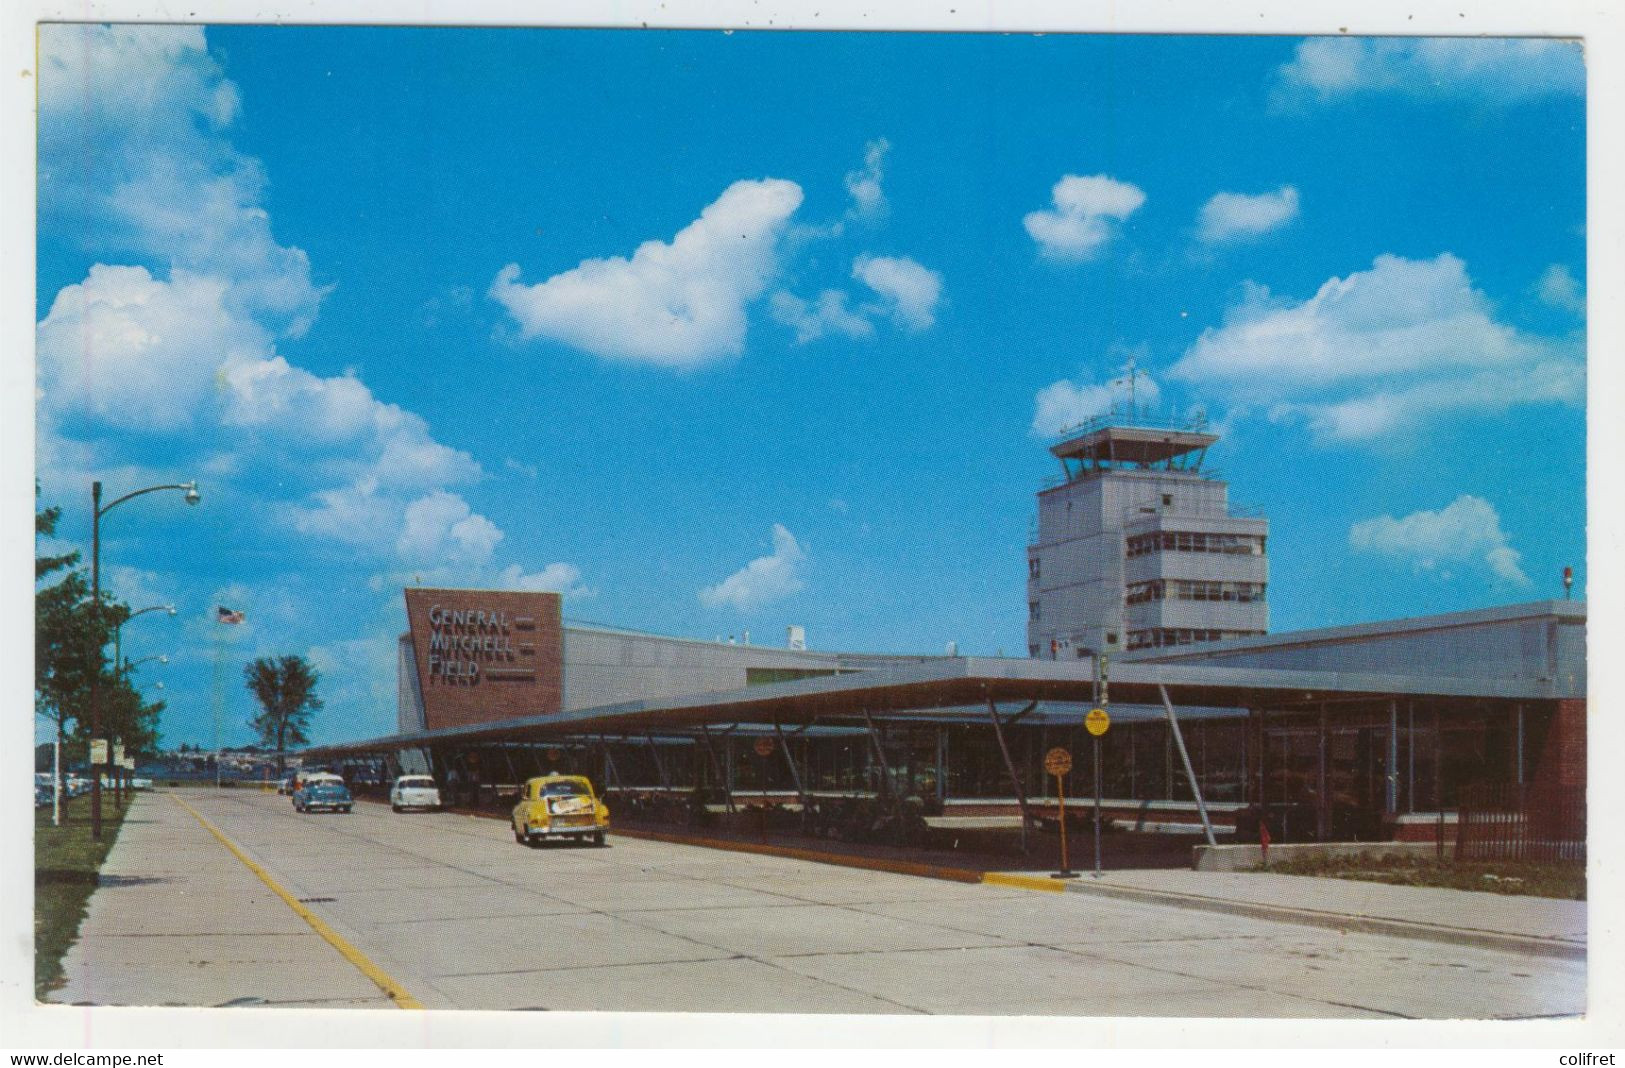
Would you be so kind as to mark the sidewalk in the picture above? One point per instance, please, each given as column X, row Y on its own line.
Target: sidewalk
column 1544, row 926
column 178, row 920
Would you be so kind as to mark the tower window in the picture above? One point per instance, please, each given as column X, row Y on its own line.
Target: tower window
column 1032, row 568
column 1032, row 609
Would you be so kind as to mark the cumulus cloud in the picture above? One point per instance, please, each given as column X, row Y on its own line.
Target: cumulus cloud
column 908, row 291
column 1064, row 404
column 136, row 352
column 554, row 578
column 135, row 155
column 1467, row 529
column 134, row 149
column 1498, row 70
column 676, row 304
column 1084, row 216
column 762, row 581
column 864, row 184
column 1559, row 288
column 441, row 526
column 1379, row 352
column 904, row 291
column 357, row 435
column 1235, row 216
column 828, row 315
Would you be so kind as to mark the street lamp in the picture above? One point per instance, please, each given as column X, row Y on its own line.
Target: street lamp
column 119, row 671
column 118, row 628
column 97, row 511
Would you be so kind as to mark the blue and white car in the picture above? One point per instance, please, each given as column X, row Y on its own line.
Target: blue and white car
column 323, row 792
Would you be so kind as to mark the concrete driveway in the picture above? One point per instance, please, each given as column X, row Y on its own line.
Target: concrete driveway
column 460, row 916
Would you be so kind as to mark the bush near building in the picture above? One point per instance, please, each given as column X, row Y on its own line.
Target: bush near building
column 1560, row 880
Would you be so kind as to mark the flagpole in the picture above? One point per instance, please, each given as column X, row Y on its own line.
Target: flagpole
column 219, row 695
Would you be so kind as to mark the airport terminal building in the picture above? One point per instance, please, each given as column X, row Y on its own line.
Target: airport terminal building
column 1147, row 596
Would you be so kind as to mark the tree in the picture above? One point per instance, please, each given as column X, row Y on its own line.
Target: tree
column 70, row 642
column 69, row 636
column 285, row 687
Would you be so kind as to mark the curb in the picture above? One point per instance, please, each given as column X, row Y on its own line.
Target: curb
column 896, row 867
column 1530, row 945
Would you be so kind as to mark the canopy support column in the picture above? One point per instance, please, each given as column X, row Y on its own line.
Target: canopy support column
column 1185, row 757
column 880, row 754
column 716, row 768
column 795, row 772
column 1010, row 765
column 660, row 765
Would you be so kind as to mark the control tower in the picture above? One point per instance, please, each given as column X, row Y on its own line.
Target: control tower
column 1136, row 547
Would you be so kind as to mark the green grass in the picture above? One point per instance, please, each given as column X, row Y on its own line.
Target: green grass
column 1560, row 880
column 66, row 861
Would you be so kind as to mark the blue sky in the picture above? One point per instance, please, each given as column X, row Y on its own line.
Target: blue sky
column 789, row 322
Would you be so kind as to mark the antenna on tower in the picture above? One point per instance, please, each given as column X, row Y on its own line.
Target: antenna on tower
column 1130, row 378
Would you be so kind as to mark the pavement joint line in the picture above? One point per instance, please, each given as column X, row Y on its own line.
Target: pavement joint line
column 379, row 977
column 1258, row 987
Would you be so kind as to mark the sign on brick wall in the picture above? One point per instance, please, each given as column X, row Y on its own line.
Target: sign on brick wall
column 483, row 656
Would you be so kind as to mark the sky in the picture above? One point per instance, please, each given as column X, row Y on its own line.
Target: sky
column 720, row 332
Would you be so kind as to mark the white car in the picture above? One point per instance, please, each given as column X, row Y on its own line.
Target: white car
column 414, row 791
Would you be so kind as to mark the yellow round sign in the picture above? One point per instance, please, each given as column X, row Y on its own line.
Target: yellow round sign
column 1057, row 761
column 1097, row 721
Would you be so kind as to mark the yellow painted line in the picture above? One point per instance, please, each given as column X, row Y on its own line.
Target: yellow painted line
column 381, row 978
column 1024, row 882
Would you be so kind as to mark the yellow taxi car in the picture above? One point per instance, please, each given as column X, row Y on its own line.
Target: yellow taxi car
column 559, row 806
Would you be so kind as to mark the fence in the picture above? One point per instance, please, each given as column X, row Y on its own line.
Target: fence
column 1508, row 821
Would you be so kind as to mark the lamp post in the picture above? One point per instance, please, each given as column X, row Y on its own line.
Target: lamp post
column 120, row 671
column 98, row 510
column 118, row 631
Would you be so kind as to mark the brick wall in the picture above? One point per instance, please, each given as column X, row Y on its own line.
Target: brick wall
column 1562, row 761
column 484, row 656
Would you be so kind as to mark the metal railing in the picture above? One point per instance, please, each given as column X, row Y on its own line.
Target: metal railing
column 1512, row 821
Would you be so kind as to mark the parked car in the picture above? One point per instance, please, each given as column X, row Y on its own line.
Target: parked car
column 288, row 783
column 559, row 806
column 326, row 792
column 414, row 791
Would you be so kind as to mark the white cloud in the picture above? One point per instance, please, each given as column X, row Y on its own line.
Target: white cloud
column 1062, row 405
column 133, row 150
column 762, row 581
column 555, row 578
column 139, row 353
column 1379, row 352
column 361, row 436
column 830, row 315
column 1466, row 529
column 1086, row 211
column 441, row 528
column 1502, row 70
column 908, row 291
column 1233, row 216
column 1559, row 288
column 864, row 184
column 135, row 156
column 680, row 304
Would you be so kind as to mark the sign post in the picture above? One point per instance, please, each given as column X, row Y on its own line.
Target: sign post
column 1058, row 762
column 1097, row 722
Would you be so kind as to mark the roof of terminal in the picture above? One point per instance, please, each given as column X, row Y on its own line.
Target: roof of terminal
column 960, row 688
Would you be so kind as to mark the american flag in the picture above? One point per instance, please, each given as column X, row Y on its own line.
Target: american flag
column 222, row 614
